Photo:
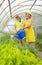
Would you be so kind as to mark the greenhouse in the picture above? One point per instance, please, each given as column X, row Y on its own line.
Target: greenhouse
column 11, row 51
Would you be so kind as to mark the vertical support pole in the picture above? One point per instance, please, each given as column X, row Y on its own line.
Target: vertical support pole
column 10, row 8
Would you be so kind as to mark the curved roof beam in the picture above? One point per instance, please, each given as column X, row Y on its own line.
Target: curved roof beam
column 33, row 4
column 2, row 3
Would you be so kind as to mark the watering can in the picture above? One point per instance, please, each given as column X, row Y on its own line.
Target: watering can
column 20, row 34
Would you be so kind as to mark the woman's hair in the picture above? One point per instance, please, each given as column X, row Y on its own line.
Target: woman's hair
column 18, row 16
column 29, row 12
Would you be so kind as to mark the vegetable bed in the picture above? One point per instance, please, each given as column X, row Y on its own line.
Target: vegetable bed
column 11, row 54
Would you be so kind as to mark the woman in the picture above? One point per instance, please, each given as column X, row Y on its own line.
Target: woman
column 30, row 37
column 17, row 27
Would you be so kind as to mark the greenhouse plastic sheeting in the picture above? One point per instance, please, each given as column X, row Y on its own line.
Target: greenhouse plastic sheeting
column 8, row 9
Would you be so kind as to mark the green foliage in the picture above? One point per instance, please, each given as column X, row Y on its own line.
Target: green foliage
column 31, row 49
column 38, row 44
column 11, row 55
column 4, row 38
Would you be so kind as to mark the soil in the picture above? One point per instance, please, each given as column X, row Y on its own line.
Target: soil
column 40, row 55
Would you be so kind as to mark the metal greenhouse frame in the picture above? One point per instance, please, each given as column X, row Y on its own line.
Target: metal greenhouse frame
column 8, row 9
